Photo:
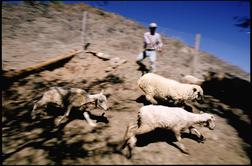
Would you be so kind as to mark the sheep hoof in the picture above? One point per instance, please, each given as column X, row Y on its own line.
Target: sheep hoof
column 93, row 124
column 129, row 156
column 202, row 139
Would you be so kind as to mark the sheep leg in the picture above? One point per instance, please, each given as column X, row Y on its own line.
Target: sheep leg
column 131, row 143
column 132, row 140
column 90, row 122
column 39, row 104
column 151, row 99
column 69, row 108
column 33, row 113
column 180, row 145
column 128, row 134
column 188, row 107
column 199, row 135
column 141, row 130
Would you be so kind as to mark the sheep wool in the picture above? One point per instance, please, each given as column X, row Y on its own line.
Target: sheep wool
column 155, row 86
column 175, row 119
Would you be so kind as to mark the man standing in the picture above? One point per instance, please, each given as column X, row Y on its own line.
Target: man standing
column 152, row 43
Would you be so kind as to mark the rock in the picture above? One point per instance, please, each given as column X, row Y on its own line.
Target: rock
column 103, row 56
column 115, row 62
column 108, row 69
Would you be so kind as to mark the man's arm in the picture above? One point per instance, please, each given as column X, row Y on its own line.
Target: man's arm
column 160, row 43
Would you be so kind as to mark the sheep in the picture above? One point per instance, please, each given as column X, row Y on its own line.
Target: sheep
column 175, row 119
column 189, row 79
column 72, row 97
column 157, row 87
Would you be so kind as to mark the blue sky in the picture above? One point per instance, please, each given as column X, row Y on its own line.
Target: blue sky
column 182, row 20
column 214, row 20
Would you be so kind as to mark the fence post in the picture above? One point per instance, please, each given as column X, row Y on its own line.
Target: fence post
column 84, row 20
column 195, row 55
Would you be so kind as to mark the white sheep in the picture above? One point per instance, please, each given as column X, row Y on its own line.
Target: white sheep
column 157, row 87
column 175, row 119
column 189, row 79
column 72, row 97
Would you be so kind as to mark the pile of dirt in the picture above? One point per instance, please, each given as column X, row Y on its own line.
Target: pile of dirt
column 32, row 34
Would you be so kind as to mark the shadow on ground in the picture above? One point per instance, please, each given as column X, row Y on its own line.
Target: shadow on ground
column 43, row 133
column 143, row 68
column 142, row 99
column 236, row 94
column 162, row 135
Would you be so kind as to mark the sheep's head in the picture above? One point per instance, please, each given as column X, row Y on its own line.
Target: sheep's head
column 102, row 101
column 197, row 93
column 209, row 121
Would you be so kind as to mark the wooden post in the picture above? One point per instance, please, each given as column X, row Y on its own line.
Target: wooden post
column 195, row 56
column 197, row 41
column 84, row 20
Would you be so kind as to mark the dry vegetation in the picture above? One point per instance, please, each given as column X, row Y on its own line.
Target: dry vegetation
column 32, row 34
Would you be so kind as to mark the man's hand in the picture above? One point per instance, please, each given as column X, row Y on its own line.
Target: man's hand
column 160, row 50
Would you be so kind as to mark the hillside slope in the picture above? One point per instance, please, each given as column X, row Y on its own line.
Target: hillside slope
column 33, row 34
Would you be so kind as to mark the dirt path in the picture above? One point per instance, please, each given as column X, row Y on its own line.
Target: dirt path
column 40, row 142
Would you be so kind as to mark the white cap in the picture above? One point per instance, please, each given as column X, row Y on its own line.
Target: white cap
column 153, row 25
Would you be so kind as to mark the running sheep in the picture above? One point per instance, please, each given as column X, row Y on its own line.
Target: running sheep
column 157, row 87
column 175, row 119
column 69, row 98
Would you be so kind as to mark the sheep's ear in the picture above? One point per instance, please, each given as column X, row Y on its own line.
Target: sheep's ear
column 102, row 91
column 201, row 112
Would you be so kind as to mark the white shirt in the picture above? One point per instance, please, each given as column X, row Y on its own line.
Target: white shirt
column 152, row 41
